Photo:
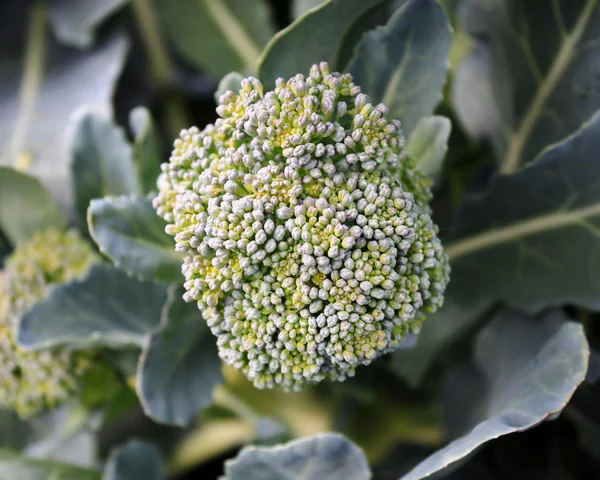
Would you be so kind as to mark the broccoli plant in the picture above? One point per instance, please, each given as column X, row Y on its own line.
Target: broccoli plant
column 301, row 239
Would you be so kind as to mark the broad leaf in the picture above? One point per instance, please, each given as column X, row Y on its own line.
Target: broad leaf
column 75, row 22
column 218, row 37
column 101, row 159
column 527, row 82
column 532, row 239
column 32, row 128
column 404, row 64
column 146, row 148
column 232, row 81
column 26, row 206
column 529, row 368
column 315, row 37
column 129, row 232
column 107, row 307
column 325, row 455
column 179, row 366
column 135, row 460
column 438, row 333
column 300, row 7
column 15, row 467
column 428, row 144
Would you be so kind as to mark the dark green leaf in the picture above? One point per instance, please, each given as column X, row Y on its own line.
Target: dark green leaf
column 529, row 369
column 129, row 232
column 107, row 307
column 101, row 159
column 532, row 239
column 326, row 455
column 146, row 148
column 404, row 64
column 75, row 22
column 528, row 80
column 439, row 331
column 15, row 467
column 25, row 206
column 136, row 460
column 14, row 432
column 32, row 131
column 428, row 144
column 218, row 37
column 179, row 366
column 231, row 81
column 316, row 37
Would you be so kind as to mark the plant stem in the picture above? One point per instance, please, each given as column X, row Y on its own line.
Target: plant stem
column 161, row 67
column 518, row 140
column 33, row 73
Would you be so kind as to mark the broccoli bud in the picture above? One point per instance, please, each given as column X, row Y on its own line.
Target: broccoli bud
column 34, row 381
column 309, row 243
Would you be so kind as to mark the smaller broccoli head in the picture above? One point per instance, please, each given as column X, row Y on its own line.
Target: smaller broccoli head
column 309, row 243
column 34, row 381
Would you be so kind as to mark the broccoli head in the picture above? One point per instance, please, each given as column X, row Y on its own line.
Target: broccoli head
column 33, row 381
column 309, row 243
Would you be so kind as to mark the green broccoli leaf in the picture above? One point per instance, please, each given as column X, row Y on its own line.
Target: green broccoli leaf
column 13, row 466
column 232, row 81
column 439, row 332
column 532, row 239
column 405, row 63
column 300, row 7
column 101, row 159
column 75, row 23
column 107, row 307
column 26, row 206
column 318, row 36
column 136, row 460
column 217, row 36
column 428, row 144
column 528, row 80
column 146, row 148
column 526, row 370
column 179, row 366
column 128, row 231
column 325, row 455
column 37, row 101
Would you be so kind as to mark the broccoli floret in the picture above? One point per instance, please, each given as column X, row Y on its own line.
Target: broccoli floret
column 33, row 381
column 307, row 232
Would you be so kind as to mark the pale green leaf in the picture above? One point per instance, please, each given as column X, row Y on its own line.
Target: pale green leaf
column 318, row 36
column 146, row 148
column 129, row 232
column 328, row 456
column 218, row 37
column 528, row 80
column 405, row 63
column 428, row 144
column 107, row 307
column 179, row 366
column 532, row 239
column 15, row 467
column 25, row 206
column 136, row 460
column 101, row 159
column 37, row 103
column 75, row 23
column 528, row 370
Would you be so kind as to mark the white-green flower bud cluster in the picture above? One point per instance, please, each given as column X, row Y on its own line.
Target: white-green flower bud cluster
column 33, row 381
column 310, row 247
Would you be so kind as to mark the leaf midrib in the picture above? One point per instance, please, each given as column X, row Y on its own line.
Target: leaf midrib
column 233, row 31
column 566, row 52
column 524, row 228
